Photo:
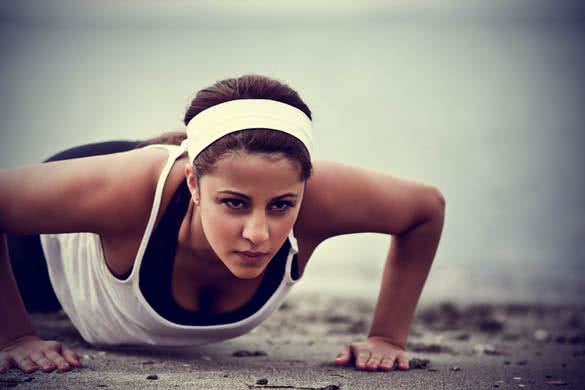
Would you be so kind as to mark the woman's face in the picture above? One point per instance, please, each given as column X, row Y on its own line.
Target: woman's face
column 247, row 207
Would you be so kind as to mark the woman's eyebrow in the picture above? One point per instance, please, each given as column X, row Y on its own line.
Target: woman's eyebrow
column 288, row 194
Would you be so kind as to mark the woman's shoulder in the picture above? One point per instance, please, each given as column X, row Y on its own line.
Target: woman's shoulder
column 344, row 199
column 106, row 193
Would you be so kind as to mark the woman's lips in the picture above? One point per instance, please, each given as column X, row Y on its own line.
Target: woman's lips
column 252, row 257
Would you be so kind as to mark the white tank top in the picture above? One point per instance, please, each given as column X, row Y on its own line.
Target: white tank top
column 109, row 311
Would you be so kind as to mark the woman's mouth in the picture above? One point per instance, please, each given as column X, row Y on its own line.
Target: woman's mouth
column 252, row 257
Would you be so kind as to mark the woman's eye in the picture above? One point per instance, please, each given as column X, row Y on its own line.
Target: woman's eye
column 234, row 203
column 281, row 205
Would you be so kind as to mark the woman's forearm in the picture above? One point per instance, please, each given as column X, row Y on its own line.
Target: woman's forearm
column 14, row 322
column 407, row 266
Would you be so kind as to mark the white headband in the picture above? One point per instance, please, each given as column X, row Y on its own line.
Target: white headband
column 213, row 123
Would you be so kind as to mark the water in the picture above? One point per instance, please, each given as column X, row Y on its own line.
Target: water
column 488, row 109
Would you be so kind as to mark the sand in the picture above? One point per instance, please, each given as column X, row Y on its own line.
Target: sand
column 467, row 347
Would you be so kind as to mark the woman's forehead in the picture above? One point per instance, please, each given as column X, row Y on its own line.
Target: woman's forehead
column 248, row 173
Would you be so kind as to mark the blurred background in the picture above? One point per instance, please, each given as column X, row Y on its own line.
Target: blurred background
column 482, row 99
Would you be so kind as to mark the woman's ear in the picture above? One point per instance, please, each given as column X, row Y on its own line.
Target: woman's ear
column 191, row 177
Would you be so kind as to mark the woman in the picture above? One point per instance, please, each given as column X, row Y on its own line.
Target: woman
column 199, row 242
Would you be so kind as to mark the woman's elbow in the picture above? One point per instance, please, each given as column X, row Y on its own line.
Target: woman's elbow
column 434, row 203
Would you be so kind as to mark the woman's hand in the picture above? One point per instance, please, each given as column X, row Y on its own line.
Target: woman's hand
column 374, row 354
column 30, row 353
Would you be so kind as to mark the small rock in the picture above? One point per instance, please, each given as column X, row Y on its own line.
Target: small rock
column 148, row 362
column 336, row 318
column 490, row 325
column 455, row 368
column 517, row 378
column 487, row 349
column 541, row 335
column 262, row 381
column 462, row 337
column 432, row 370
column 152, row 377
column 507, row 363
column 101, row 354
column 522, row 363
column 418, row 363
column 206, row 358
column 520, row 385
column 244, row 353
column 186, row 365
column 429, row 348
column 557, row 383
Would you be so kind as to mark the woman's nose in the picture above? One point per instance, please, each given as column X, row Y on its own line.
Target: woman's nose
column 256, row 228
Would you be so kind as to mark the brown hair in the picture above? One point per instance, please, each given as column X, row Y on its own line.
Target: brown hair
column 248, row 140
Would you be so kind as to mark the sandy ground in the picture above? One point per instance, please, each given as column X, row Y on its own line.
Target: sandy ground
column 467, row 347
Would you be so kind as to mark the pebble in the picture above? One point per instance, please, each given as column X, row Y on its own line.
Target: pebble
column 244, row 353
column 418, row 363
column 186, row 365
column 152, row 377
column 517, row 378
column 455, row 368
column 207, row 358
column 490, row 325
column 541, row 335
column 522, row 363
column 487, row 349
column 462, row 337
column 86, row 357
column 557, row 383
column 262, row 381
column 148, row 362
column 520, row 385
column 101, row 353
column 429, row 348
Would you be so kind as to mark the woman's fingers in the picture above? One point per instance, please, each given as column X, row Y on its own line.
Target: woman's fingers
column 41, row 361
column 70, row 356
column 387, row 363
column 5, row 363
column 361, row 359
column 344, row 357
column 402, row 361
column 26, row 365
column 374, row 362
column 60, row 362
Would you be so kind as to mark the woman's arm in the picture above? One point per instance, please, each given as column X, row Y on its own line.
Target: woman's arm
column 19, row 344
column 342, row 200
column 109, row 195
